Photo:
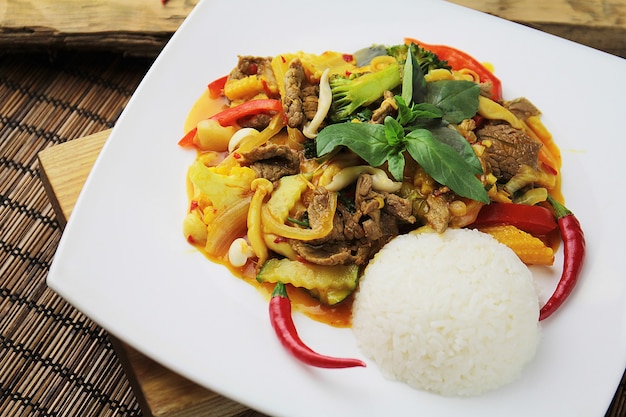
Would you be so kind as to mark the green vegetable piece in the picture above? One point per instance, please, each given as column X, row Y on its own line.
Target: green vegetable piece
column 378, row 144
column 366, row 140
column 418, row 114
column 445, row 165
column 413, row 82
column 449, row 136
column 329, row 284
column 286, row 194
column 458, row 99
column 352, row 93
column 426, row 60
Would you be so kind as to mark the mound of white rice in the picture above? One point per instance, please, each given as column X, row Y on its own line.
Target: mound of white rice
column 453, row 313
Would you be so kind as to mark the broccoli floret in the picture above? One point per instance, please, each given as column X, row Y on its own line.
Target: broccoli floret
column 426, row 59
column 353, row 92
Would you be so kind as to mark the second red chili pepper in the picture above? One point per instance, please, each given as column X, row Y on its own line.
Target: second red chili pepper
column 573, row 257
column 282, row 322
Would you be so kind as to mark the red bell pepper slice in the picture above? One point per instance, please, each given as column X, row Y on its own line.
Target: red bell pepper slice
column 458, row 59
column 187, row 140
column 216, row 87
column 536, row 220
column 230, row 116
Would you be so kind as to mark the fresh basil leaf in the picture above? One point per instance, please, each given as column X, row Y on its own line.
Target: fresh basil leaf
column 458, row 99
column 413, row 82
column 365, row 139
column 451, row 137
column 395, row 165
column 407, row 79
column 444, row 165
column 394, row 132
column 405, row 114
column 422, row 112
column 427, row 111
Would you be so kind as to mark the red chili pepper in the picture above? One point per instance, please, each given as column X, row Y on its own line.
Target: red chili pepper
column 573, row 257
column 458, row 59
column 536, row 220
column 216, row 87
column 282, row 322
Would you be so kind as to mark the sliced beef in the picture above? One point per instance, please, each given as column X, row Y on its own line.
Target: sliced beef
column 510, row 149
column 522, row 108
column 332, row 253
column 301, row 98
column 272, row 161
column 438, row 214
column 310, row 99
column 369, row 201
column 252, row 65
column 258, row 121
column 359, row 233
column 345, row 225
column 400, row 208
column 292, row 102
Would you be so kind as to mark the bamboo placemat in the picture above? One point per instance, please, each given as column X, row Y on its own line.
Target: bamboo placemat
column 54, row 361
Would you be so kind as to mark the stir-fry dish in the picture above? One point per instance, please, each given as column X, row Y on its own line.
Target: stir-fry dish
column 308, row 164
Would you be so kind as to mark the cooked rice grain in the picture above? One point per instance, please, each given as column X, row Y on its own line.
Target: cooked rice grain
column 453, row 313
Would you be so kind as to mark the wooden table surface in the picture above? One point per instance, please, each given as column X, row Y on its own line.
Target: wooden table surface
column 142, row 27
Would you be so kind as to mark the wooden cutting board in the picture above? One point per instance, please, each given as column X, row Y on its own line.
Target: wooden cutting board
column 160, row 392
column 142, row 27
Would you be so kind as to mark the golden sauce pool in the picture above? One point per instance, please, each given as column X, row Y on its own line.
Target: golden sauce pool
column 203, row 108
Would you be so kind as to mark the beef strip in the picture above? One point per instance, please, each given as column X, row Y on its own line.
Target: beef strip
column 399, row 207
column 522, row 108
column 369, row 201
column 510, row 149
column 301, row 97
column 292, row 102
column 310, row 99
column 252, row 65
column 438, row 214
column 258, row 121
column 272, row 161
column 358, row 234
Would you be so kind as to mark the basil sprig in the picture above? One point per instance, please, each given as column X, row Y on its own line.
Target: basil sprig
column 420, row 129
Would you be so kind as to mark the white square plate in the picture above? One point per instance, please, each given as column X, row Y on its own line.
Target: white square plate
column 124, row 262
